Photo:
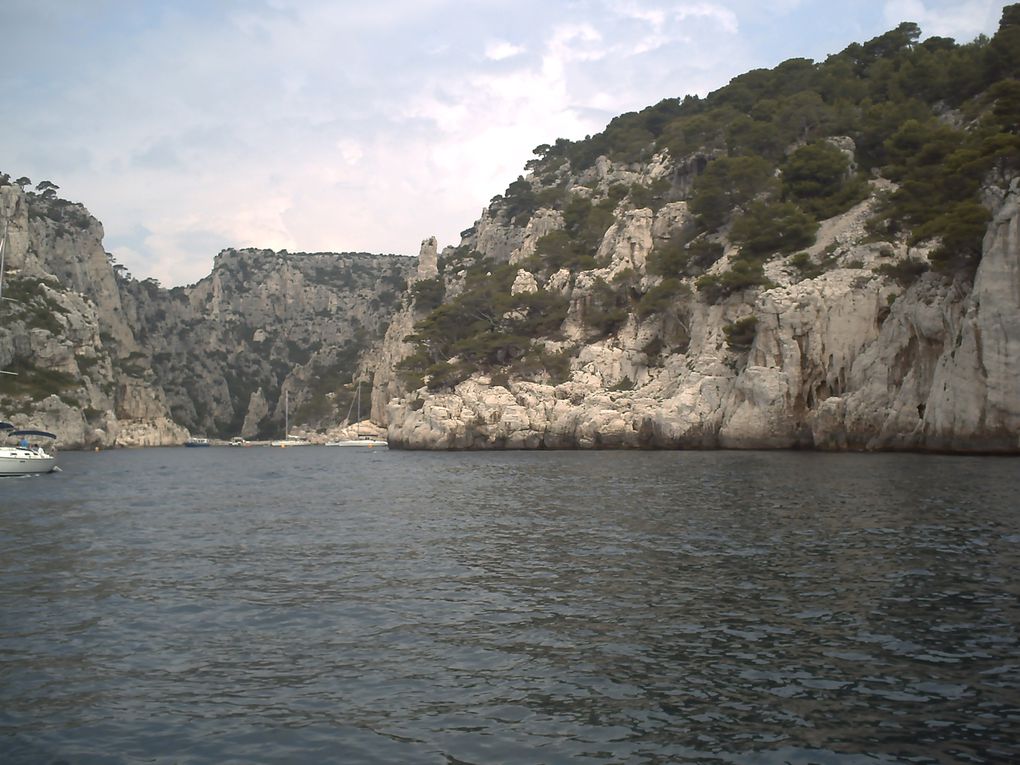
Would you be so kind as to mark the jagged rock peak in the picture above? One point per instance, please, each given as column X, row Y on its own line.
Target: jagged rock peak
column 428, row 259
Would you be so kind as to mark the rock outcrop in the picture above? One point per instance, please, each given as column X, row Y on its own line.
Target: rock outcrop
column 64, row 333
column 846, row 359
column 105, row 360
column 225, row 349
column 738, row 272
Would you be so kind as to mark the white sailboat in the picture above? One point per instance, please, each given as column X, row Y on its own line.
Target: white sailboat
column 288, row 439
column 24, row 458
column 358, row 440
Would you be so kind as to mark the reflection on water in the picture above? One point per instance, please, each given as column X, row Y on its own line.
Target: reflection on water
column 314, row 605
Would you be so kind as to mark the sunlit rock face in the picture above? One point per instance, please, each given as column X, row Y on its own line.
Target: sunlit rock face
column 975, row 390
column 842, row 359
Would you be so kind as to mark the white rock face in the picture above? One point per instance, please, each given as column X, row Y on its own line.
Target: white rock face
column 161, row 431
column 428, row 258
column 542, row 222
column 975, row 393
column 524, row 283
column 258, row 408
column 845, row 360
column 626, row 244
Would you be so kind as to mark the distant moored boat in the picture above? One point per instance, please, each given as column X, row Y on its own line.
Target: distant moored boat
column 288, row 439
column 358, row 440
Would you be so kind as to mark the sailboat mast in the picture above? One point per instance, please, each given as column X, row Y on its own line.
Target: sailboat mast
column 3, row 256
column 286, row 413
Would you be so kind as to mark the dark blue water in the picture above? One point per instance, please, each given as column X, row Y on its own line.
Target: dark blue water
column 354, row 606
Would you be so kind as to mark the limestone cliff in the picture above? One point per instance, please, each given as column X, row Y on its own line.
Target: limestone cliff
column 226, row 349
column 63, row 333
column 707, row 274
column 105, row 360
column 844, row 360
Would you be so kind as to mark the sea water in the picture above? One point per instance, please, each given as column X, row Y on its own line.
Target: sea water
column 368, row 606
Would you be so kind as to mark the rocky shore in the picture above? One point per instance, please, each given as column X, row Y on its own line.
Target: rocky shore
column 845, row 360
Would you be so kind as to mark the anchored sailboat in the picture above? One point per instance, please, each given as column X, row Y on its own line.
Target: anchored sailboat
column 358, row 440
column 288, row 439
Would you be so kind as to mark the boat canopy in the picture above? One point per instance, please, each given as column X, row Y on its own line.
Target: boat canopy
column 6, row 426
column 41, row 433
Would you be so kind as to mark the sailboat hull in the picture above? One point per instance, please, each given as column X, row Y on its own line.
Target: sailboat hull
column 19, row 461
column 291, row 441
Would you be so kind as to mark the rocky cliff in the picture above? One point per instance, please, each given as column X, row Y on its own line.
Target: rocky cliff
column 263, row 327
column 821, row 255
column 63, row 332
column 844, row 360
column 103, row 359
column 749, row 283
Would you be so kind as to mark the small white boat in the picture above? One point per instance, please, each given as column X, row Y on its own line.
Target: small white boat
column 362, row 441
column 292, row 441
column 25, row 458
column 196, row 441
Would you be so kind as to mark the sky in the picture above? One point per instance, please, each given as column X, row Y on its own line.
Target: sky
column 190, row 126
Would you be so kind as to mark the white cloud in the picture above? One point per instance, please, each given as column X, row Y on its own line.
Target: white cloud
column 350, row 151
column 575, row 42
column 721, row 15
column 318, row 125
column 962, row 20
column 654, row 17
column 498, row 50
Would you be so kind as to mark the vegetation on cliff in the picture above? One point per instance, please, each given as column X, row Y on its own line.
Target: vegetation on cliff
column 104, row 348
column 261, row 322
column 760, row 163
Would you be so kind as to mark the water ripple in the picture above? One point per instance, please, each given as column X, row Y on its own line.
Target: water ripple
column 282, row 606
